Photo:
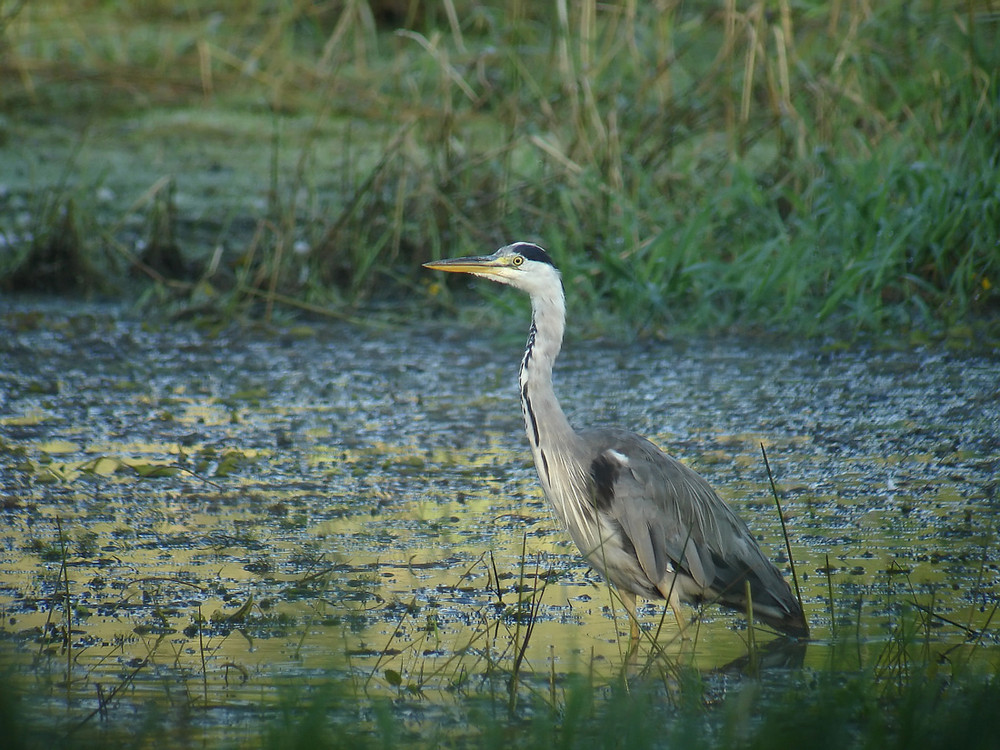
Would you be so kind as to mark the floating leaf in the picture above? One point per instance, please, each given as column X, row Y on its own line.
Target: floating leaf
column 58, row 472
column 142, row 629
column 152, row 471
column 36, row 417
column 58, row 446
column 229, row 464
column 103, row 466
column 250, row 394
column 393, row 677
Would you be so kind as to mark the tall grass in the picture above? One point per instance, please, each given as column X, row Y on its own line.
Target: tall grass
column 808, row 166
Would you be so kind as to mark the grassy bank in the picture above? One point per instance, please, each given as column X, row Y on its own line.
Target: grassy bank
column 812, row 167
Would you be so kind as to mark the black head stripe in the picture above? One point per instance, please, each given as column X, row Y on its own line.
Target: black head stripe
column 532, row 252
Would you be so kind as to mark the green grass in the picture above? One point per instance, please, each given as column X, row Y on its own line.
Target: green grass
column 830, row 713
column 809, row 167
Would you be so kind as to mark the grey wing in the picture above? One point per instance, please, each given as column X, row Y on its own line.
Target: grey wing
column 675, row 520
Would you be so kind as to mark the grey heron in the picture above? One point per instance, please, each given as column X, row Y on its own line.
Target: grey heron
column 651, row 525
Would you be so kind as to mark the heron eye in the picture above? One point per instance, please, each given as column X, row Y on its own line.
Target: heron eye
column 517, row 260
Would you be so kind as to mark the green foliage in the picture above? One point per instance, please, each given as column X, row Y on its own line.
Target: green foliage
column 811, row 167
column 836, row 711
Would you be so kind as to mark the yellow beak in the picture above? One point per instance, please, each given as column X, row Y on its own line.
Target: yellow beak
column 484, row 265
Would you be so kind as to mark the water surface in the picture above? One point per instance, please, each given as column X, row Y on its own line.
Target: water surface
column 226, row 511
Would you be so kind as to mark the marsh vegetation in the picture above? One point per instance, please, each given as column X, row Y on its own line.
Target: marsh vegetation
column 265, row 486
column 264, row 537
column 812, row 167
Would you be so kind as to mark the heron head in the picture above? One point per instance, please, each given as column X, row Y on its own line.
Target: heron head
column 522, row 265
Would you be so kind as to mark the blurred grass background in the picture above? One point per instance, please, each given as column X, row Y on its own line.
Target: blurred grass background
column 808, row 167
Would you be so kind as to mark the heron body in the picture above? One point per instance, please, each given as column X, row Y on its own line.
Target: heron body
column 648, row 523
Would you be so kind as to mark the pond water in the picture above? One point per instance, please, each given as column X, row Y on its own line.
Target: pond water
column 225, row 512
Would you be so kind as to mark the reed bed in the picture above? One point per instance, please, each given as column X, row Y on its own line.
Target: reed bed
column 809, row 167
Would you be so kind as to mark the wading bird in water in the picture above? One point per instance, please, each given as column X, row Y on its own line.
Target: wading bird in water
column 648, row 523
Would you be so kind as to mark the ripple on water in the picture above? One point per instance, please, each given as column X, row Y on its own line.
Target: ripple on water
column 370, row 494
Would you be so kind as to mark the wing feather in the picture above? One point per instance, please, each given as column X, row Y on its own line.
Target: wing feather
column 676, row 521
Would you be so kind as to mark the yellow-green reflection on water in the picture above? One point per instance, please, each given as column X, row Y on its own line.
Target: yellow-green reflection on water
column 239, row 513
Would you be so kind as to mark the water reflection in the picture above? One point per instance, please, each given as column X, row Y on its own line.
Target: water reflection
column 347, row 493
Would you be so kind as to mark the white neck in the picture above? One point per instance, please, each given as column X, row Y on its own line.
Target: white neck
column 549, row 432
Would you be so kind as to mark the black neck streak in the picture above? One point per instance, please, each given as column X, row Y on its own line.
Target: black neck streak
column 529, row 414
